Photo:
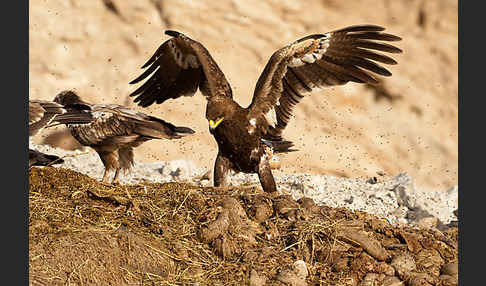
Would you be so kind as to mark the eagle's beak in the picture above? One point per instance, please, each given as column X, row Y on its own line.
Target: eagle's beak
column 213, row 125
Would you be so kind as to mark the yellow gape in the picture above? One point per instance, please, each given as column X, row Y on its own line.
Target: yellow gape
column 213, row 125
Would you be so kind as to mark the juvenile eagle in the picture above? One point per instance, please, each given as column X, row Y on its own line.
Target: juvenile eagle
column 41, row 114
column 181, row 65
column 113, row 130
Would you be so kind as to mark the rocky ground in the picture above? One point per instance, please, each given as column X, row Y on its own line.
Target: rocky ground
column 82, row 232
column 395, row 198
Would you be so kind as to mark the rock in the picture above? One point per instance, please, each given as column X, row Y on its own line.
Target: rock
column 341, row 264
column 421, row 279
column 289, row 277
column 300, row 269
column 294, row 275
column 427, row 222
column 286, row 206
column 369, row 244
column 262, row 210
column 403, row 263
column 451, row 269
column 181, row 169
column 448, row 280
column 412, row 241
column 385, row 268
column 256, row 280
column 392, row 281
column 371, row 279
column 431, row 260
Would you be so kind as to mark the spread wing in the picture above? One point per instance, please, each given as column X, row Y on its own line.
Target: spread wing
column 180, row 66
column 41, row 113
column 315, row 62
column 116, row 124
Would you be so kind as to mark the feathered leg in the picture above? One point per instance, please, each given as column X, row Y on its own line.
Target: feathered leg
column 115, row 179
column 222, row 167
column 125, row 159
column 265, row 175
column 110, row 161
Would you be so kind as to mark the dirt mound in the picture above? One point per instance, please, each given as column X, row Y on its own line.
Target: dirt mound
column 86, row 233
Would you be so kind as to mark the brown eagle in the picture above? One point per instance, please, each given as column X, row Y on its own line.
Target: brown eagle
column 113, row 130
column 41, row 114
column 181, row 65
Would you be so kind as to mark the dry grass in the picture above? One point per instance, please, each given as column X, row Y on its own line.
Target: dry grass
column 82, row 232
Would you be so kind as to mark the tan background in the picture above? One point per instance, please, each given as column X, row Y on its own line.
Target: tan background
column 409, row 124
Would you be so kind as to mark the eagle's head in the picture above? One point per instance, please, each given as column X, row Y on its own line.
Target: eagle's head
column 69, row 98
column 219, row 109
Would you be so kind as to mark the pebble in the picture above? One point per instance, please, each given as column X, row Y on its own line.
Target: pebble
column 403, row 263
column 300, row 269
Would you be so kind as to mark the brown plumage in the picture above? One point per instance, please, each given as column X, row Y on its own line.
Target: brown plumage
column 37, row 158
column 41, row 114
column 181, row 65
column 113, row 130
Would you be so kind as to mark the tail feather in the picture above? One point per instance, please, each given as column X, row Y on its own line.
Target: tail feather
column 279, row 146
column 183, row 130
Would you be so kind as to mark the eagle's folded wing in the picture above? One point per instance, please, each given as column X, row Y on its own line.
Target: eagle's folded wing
column 116, row 124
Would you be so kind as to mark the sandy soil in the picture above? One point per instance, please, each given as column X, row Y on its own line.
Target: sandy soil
column 409, row 124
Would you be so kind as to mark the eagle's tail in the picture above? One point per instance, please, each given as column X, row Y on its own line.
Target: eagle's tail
column 279, row 146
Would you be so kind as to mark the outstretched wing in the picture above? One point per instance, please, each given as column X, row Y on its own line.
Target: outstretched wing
column 315, row 62
column 41, row 113
column 180, row 66
column 116, row 124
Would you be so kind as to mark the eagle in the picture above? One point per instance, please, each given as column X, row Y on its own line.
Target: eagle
column 180, row 66
column 113, row 130
column 41, row 114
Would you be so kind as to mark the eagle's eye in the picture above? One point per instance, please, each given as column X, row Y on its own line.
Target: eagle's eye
column 213, row 125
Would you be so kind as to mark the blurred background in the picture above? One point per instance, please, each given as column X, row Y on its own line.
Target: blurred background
column 409, row 123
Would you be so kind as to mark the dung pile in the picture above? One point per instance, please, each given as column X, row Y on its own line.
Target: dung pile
column 85, row 233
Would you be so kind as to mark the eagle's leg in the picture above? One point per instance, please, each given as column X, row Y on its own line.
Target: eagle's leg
column 105, row 177
column 110, row 161
column 115, row 179
column 222, row 167
column 265, row 175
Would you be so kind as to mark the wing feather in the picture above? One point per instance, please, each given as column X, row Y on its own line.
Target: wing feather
column 350, row 54
column 119, row 125
column 41, row 113
column 178, row 68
